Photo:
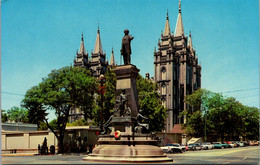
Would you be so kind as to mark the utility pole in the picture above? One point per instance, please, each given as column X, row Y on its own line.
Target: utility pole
column 205, row 138
column 101, row 90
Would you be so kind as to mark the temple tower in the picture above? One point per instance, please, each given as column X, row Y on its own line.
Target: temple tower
column 81, row 58
column 98, row 63
column 176, row 70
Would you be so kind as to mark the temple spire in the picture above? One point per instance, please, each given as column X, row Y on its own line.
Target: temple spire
column 179, row 30
column 179, row 6
column 112, row 58
column 82, row 47
column 167, row 30
column 98, row 45
column 190, row 42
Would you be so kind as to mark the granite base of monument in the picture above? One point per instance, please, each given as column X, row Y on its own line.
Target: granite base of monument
column 124, row 139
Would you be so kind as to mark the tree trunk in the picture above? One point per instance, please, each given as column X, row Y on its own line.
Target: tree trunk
column 60, row 144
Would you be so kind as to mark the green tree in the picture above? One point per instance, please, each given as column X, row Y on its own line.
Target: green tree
column 34, row 103
column 220, row 117
column 4, row 117
column 80, row 122
column 251, row 121
column 194, row 114
column 150, row 103
column 16, row 114
column 62, row 90
column 42, row 126
column 110, row 94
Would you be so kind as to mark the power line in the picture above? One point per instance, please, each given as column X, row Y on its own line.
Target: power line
column 239, row 90
column 9, row 93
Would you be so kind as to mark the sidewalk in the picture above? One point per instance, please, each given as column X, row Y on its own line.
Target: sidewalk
column 36, row 154
column 20, row 154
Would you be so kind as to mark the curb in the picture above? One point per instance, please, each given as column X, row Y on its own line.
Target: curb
column 20, row 154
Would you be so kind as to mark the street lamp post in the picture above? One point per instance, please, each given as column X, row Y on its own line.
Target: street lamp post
column 101, row 90
column 205, row 138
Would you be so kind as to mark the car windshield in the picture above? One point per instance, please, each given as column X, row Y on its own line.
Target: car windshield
column 191, row 144
column 175, row 145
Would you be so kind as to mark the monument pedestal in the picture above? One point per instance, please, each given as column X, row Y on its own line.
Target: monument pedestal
column 123, row 143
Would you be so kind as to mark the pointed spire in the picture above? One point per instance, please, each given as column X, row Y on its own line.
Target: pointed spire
column 98, row 45
column 190, row 42
column 179, row 6
column 167, row 30
column 112, row 58
column 82, row 47
column 179, row 30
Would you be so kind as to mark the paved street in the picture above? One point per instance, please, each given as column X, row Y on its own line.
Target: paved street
column 243, row 155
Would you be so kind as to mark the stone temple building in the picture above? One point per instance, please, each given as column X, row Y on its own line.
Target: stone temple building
column 176, row 70
column 97, row 65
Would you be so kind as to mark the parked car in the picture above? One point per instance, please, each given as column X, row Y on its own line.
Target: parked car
column 235, row 144
column 194, row 146
column 225, row 145
column 251, row 143
column 166, row 149
column 246, row 143
column 240, row 144
column 207, row 146
column 254, row 143
column 186, row 147
column 219, row 145
column 173, row 148
column 230, row 145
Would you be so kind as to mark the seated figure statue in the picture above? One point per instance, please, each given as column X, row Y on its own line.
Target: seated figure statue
column 141, row 127
column 121, row 110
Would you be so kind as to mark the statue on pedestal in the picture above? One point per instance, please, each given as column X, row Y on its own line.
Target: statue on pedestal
column 141, row 127
column 126, row 47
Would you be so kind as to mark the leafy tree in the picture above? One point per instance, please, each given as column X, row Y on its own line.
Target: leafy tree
column 4, row 117
column 150, row 103
column 16, row 114
column 224, row 118
column 34, row 103
column 110, row 94
column 108, row 98
column 42, row 126
column 62, row 90
column 80, row 122
column 251, row 121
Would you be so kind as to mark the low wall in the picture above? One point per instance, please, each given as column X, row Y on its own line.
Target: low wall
column 26, row 141
column 172, row 138
column 76, row 139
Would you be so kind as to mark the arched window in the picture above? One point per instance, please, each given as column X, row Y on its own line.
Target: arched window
column 163, row 73
column 163, row 89
column 164, row 103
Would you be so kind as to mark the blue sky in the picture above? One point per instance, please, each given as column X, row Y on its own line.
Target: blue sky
column 38, row 36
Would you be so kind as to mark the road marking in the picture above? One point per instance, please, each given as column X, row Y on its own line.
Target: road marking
column 238, row 151
column 245, row 158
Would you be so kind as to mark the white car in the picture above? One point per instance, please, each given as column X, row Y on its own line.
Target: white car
column 166, row 149
column 173, row 147
column 207, row 146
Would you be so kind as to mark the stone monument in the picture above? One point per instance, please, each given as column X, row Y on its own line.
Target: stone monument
column 125, row 139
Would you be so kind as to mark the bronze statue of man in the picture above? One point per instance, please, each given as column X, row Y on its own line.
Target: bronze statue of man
column 126, row 47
